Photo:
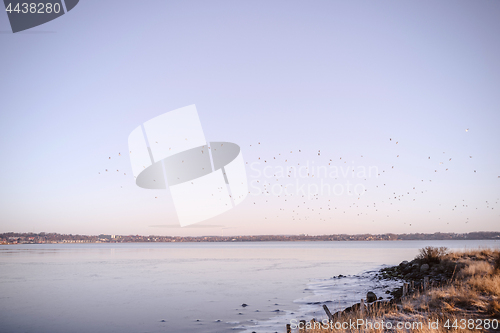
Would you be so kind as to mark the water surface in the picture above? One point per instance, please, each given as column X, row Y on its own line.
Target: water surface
column 186, row 287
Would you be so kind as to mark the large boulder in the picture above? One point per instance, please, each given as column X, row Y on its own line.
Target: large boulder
column 424, row 268
column 403, row 263
column 371, row 297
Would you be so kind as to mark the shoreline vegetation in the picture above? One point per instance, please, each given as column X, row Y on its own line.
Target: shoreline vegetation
column 443, row 291
column 55, row 238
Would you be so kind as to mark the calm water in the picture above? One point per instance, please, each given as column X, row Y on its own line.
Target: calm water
column 192, row 287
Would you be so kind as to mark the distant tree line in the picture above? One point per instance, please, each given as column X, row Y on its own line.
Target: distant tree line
column 41, row 238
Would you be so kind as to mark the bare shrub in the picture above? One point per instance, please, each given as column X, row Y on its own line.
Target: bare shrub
column 432, row 255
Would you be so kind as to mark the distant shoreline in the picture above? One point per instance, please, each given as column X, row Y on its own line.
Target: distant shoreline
column 12, row 238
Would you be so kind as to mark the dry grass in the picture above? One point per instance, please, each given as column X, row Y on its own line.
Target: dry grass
column 475, row 289
column 481, row 273
column 488, row 284
column 474, row 293
column 485, row 254
column 476, row 268
column 493, row 308
column 399, row 322
column 456, row 299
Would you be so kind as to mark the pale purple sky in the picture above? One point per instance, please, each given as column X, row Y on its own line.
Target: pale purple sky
column 342, row 77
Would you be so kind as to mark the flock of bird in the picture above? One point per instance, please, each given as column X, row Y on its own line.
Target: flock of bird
column 382, row 196
column 384, row 202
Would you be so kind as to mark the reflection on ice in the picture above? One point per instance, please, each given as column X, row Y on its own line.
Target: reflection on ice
column 337, row 293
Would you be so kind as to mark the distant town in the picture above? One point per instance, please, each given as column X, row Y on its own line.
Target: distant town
column 55, row 238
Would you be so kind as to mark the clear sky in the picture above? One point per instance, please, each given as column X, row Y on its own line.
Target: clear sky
column 380, row 84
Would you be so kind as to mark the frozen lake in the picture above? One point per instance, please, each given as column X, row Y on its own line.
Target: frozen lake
column 187, row 287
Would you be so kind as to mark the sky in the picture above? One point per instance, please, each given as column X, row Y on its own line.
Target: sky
column 406, row 93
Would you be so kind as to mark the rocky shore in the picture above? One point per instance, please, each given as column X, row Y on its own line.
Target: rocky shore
column 414, row 272
column 438, row 285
